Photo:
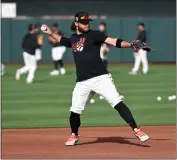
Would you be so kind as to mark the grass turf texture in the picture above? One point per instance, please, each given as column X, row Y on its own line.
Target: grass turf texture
column 46, row 102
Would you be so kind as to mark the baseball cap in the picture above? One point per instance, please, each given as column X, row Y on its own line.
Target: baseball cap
column 37, row 25
column 82, row 17
column 55, row 24
column 30, row 27
column 141, row 24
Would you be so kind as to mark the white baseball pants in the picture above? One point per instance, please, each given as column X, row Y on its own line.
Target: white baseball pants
column 102, row 85
column 38, row 54
column 58, row 52
column 140, row 57
column 102, row 51
column 30, row 66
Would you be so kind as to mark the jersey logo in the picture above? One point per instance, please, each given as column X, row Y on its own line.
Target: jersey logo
column 78, row 46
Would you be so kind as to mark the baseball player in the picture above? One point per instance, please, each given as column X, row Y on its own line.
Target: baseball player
column 29, row 45
column 92, row 75
column 104, row 47
column 141, row 55
column 38, row 52
column 57, row 52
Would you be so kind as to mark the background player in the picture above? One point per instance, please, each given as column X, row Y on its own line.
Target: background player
column 92, row 75
column 104, row 47
column 29, row 45
column 57, row 52
column 38, row 52
column 141, row 55
column 103, row 51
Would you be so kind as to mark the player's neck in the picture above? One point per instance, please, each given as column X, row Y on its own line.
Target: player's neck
column 79, row 33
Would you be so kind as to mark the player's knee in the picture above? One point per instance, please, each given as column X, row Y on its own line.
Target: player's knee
column 33, row 69
column 116, row 102
column 76, row 110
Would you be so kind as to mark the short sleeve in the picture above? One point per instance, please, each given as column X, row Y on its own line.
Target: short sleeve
column 65, row 42
column 100, row 37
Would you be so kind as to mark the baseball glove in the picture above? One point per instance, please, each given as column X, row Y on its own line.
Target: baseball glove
column 137, row 45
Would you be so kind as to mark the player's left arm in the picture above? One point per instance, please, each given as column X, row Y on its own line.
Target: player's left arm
column 117, row 42
column 136, row 45
column 100, row 37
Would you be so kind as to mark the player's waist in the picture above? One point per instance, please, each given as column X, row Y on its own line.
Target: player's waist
column 88, row 75
column 30, row 51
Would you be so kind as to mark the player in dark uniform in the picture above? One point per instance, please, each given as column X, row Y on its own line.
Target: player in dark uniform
column 57, row 51
column 92, row 75
column 141, row 55
column 29, row 45
column 38, row 52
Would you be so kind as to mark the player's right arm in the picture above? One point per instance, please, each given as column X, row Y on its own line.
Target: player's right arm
column 62, row 40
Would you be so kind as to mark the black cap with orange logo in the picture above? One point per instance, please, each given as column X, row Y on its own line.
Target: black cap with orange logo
column 82, row 17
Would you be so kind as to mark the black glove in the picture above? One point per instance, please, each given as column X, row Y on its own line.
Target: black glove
column 137, row 45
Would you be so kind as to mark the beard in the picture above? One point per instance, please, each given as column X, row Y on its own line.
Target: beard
column 82, row 29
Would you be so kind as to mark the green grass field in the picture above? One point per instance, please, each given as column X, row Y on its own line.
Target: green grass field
column 46, row 102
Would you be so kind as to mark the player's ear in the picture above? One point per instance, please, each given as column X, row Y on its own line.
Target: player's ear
column 76, row 24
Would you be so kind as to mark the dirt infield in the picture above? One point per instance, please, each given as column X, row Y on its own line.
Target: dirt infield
column 109, row 142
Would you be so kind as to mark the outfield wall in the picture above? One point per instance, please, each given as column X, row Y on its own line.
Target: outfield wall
column 161, row 34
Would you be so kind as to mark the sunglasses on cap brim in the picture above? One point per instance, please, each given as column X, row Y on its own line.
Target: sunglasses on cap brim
column 85, row 22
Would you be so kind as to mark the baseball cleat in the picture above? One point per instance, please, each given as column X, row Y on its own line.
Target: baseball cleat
column 54, row 73
column 73, row 140
column 62, row 71
column 17, row 76
column 29, row 82
column 141, row 135
column 132, row 73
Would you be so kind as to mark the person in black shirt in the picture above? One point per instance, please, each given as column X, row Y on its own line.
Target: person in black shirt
column 141, row 55
column 38, row 52
column 29, row 45
column 57, row 51
column 92, row 75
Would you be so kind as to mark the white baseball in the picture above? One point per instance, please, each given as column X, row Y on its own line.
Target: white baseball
column 92, row 101
column 43, row 28
column 159, row 98
column 170, row 98
column 173, row 97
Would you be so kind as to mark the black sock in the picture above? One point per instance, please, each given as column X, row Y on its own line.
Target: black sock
column 125, row 113
column 55, row 65
column 74, row 122
column 61, row 63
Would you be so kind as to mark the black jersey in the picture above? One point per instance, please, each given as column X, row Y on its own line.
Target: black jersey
column 29, row 43
column 86, row 52
column 58, row 44
column 142, row 36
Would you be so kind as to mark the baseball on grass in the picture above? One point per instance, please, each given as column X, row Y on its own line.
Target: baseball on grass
column 173, row 97
column 43, row 28
column 159, row 98
column 92, row 101
column 170, row 98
